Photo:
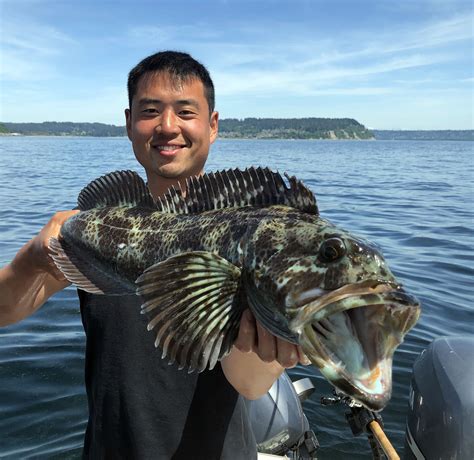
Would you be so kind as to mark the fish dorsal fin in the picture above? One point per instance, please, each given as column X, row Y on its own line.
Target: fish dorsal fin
column 235, row 188
column 119, row 188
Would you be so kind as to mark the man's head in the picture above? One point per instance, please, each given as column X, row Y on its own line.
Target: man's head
column 181, row 67
column 171, row 119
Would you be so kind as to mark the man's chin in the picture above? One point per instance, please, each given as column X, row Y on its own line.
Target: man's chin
column 175, row 172
column 168, row 172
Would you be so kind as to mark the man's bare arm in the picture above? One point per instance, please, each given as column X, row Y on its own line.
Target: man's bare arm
column 31, row 277
column 258, row 359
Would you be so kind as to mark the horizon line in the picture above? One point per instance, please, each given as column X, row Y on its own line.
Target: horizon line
column 258, row 118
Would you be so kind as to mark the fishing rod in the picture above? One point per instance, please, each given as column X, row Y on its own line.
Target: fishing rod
column 363, row 420
column 281, row 428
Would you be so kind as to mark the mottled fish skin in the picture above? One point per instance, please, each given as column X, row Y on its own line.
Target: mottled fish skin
column 133, row 239
column 284, row 256
column 304, row 278
column 277, row 247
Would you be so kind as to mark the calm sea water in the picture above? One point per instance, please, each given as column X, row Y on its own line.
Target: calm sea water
column 415, row 199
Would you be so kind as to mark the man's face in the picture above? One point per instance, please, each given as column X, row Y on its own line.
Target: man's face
column 170, row 128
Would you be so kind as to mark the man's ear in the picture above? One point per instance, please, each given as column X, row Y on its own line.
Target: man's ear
column 128, row 123
column 214, row 122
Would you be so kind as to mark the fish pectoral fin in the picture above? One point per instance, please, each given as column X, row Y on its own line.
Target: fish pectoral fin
column 194, row 302
column 80, row 270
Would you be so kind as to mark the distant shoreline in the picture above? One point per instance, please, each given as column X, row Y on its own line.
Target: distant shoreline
column 224, row 138
column 250, row 129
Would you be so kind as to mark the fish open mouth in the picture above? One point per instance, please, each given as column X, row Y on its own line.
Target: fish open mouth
column 351, row 333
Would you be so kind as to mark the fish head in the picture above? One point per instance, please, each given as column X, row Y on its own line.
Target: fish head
column 343, row 304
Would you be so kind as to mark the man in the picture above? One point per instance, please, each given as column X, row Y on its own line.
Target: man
column 139, row 407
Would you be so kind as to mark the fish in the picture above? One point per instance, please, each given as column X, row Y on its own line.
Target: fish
column 203, row 253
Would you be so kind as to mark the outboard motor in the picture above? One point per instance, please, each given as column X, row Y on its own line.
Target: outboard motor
column 440, row 420
column 279, row 423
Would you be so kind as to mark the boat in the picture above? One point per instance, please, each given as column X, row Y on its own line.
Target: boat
column 439, row 420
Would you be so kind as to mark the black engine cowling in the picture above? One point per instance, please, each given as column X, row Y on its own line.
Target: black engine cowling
column 440, row 420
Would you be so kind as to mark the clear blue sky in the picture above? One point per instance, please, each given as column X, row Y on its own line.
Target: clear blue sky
column 391, row 64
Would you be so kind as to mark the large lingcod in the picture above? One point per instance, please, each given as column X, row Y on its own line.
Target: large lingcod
column 199, row 256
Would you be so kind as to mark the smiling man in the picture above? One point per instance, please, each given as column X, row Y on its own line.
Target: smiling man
column 171, row 121
column 139, row 407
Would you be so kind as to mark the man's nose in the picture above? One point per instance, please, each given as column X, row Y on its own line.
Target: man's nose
column 169, row 122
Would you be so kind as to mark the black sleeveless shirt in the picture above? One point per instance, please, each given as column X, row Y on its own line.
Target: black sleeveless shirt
column 142, row 408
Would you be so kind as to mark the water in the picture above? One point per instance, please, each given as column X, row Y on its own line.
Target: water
column 412, row 198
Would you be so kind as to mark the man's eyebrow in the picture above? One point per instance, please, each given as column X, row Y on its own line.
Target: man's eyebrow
column 147, row 100
column 191, row 101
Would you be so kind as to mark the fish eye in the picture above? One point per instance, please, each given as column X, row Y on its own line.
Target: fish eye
column 332, row 249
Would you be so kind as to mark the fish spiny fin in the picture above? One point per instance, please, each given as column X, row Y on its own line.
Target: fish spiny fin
column 119, row 188
column 235, row 188
column 86, row 274
column 194, row 304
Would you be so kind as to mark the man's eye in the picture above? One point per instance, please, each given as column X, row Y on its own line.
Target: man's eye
column 186, row 112
column 150, row 111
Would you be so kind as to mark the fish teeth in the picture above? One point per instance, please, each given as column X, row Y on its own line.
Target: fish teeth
column 320, row 330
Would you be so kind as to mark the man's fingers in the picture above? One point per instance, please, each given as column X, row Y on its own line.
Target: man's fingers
column 266, row 347
column 61, row 216
column 52, row 229
column 287, row 354
column 254, row 337
column 302, row 358
column 246, row 340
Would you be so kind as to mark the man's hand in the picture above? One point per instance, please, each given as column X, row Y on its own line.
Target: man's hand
column 253, row 337
column 37, row 249
column 258, row 358
column 31, row 277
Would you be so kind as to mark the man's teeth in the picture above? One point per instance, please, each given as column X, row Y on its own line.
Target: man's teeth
column 168, row 147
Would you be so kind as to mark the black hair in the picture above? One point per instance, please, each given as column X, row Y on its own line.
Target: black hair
column 180, row 66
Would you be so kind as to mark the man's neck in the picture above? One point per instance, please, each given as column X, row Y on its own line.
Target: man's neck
column 158, row 186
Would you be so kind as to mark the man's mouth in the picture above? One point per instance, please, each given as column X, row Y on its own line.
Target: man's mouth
column 168, row 150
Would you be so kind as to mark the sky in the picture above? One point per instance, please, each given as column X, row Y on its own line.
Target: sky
column 390, row 64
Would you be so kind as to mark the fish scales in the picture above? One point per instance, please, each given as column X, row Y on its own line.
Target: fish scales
column 140, row 238
column 135, row 239
column 236, row 239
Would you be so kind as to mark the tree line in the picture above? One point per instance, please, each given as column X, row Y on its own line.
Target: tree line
column 251, row 128
column 295, row 128
column 65, row 128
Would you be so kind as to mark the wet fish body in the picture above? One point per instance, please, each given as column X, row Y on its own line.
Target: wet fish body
column 236, row 239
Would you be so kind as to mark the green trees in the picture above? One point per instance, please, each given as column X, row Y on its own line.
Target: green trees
column 67, row 128
column 253, row 128
column 293, row 128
